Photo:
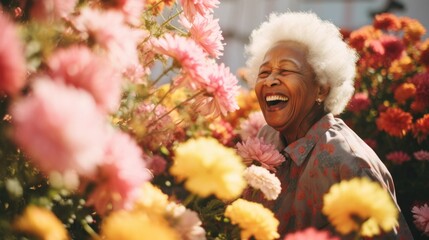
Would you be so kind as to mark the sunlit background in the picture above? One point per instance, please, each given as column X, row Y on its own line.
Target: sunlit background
column 238, row 18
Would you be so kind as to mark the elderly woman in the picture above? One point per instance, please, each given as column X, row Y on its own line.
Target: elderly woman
column 304, row 75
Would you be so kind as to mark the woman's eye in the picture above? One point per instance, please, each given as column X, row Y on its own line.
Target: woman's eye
column 263, row 74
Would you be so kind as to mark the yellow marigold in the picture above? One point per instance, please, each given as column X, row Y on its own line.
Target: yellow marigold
column 135, row 226
column 400, row 67
column 404, row 92
column 360, row 205
column 208, row 167
column 253, row 219
column 151, row 200
column 41, row 223
column 395, row 122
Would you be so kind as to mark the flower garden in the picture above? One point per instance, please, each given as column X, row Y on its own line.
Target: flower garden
column 119, row 122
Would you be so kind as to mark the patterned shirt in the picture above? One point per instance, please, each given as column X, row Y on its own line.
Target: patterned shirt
column 329, row 153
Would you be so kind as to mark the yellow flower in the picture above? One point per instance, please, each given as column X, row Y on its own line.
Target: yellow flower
column 254, row 220
column 151, row 200
column 42, row 223
column 349, row 204
column 208, row 167
column 135, row 226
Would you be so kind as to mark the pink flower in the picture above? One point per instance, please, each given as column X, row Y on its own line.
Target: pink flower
column 60, row 128
column 12, row 61
column 249, row 128
column 254, row 149
column 81, row 68
column 189, row 55
column 310, row 233
column 49, row 10
column 120, row 176
column 398, row 157
column 220, row 92
column 109, row 30
column 359, row 102
column 202, row 7
column 421, row 218
column 131, row 9
column 206, row 32
column 156, row 164
column 422, row 155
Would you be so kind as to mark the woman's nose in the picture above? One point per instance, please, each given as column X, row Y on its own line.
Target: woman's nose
column 271, row 81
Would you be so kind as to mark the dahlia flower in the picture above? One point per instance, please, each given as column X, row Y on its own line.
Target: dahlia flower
column 398, row 157
column 395, row 122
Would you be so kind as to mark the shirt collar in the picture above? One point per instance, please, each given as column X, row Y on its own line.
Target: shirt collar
column 299, row 149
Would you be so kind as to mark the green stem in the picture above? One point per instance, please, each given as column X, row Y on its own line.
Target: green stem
column 170, row 18
column 90, row 231
column 189, row 199
column 163, row 74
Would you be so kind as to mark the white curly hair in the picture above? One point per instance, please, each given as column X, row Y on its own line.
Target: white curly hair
column 332, row 60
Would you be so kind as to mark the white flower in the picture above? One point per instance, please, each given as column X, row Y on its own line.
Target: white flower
column 185, row 221
column 260, row 178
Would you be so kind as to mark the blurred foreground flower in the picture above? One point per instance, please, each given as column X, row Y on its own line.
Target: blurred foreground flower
column 310, row 234
column 361, row 206
column 260, row 178
column 42, row 223
column 421, row 218
column 253, row 219
column 208, row 167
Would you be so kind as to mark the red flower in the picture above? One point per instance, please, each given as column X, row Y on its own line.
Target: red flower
column 421, row 81
column 387, row 21
column 398, row 157
column 395, row 122
column 359, row 102
column 393, row 46
column 421, row 128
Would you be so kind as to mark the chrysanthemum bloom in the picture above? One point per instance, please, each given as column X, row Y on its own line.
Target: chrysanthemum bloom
column 151, row 200
column 120, row 175
column 202, row 7
column 404, row 92
column 189, row 55
column 424, row 53
column 220, row 91
column 70, row 132
column 131, row 9
column 421, row 81
column 401, row 66
column 395, row 122
column 256, row 150
column 421, row 218
column 42, row 223
column 207, row 167
column 421, row 155
column 360, row 205
column 421, row 128
column 310, row 234
column 186, row 222
column 49, row 10
column 79, row 67
column 136, row 226
column 387, row 21
column 253, row 219
column 222, row 131
column 206, row 32
column 260, row 178
column 12, row 61
column 398, row 157
column 360, row 37
column 250, row 127
column 109, row 30
column 413, row 29
column 359, row 102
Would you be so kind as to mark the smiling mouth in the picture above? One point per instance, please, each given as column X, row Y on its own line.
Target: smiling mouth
column 276, row 100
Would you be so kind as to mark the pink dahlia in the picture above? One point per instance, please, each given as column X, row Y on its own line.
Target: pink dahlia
column 398, row 157
column 202, row 7
column 49, row 10
column 250, row 127
column 421, row 155
column 220, row 92
column 120, row 176
column 255, row 150
column 206, row 32
column 310, row 233
column 12, row 61
column 189, row 55
column 70, row 132
column 110, row 31
column 359, row 102
column 421, row 218
column 79, row 67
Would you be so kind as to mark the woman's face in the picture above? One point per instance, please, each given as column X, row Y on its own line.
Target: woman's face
column 286, row 88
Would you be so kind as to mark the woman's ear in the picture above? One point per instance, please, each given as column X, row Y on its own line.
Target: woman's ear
column 323, row 91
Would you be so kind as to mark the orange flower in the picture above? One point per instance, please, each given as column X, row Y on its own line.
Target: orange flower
column 359, row 37
column 424, row 55
column 421, row 128
column 400, row 67
column 155, row 6
column 387, row 21
column 395, row 122
column 404, row 92
column 413, row 29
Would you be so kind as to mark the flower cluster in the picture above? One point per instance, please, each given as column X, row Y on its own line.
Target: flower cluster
column 390, row 107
